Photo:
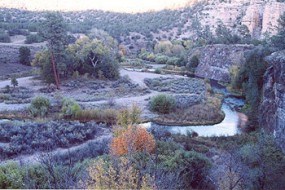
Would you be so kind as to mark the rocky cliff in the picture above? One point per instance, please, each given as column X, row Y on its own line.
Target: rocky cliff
column 272, row 109
column 260, row 16
column 215, row 61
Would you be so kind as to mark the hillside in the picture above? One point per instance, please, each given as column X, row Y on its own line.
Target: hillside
column 256, row 18
column 142, row 97
column 108, row 5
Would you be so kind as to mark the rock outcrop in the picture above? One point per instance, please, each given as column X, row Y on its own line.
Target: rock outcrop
column 272, row 109
column 260, row 17
column 215, row 61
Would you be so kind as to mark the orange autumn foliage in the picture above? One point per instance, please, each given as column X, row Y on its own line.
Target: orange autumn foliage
column 133, row 139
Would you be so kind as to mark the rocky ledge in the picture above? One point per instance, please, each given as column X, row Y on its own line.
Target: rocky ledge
column 215, row 61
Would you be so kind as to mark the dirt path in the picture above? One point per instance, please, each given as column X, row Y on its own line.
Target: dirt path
column 141, row 101
column 24, row 82
column 138, row 77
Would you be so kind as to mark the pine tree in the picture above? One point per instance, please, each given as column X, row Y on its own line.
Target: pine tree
column 55, row 33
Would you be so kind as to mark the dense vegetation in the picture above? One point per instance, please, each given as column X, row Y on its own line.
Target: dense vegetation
column 26, row 138
column 133, row 157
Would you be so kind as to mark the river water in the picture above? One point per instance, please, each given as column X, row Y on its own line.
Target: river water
column 228, row 127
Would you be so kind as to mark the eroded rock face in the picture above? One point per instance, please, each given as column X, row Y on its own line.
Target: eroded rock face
column 271, row 13
column 272, row 109
column 215, row 61
column 260, row 17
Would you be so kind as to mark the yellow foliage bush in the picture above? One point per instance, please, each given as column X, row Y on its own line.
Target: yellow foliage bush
column 117, row 174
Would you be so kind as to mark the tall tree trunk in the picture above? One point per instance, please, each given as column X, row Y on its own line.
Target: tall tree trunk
column 56, row 76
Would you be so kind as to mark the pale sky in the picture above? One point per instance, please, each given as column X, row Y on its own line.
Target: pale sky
column 110, row 5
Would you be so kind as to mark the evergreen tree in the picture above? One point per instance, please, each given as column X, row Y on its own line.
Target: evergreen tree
column 24, row 55
column 55, row 33
column 278, row 41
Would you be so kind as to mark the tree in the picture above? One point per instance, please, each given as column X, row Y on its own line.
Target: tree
column 42, row 60
column 14, row 82
column 250, row 79
column 54, row 32
column 94, row 57
column 278, row 41
column 224, row 35
column 25, row 55
column 266, row 163
column 4, row 37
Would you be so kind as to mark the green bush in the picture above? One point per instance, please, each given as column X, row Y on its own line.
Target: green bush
column 190, row 167
column 14, row 82
column 11, row 177
column 30, row 137
column 162, row 104
column 25, row 55
column 161, row 59
column 157, row 71
column 173, row 61
column 4, row 37
column 147, row 55
column 193, row 64
column 109, row 70
column 39, row 106
column 33, row 38
column 70, row 108
column 17, row 31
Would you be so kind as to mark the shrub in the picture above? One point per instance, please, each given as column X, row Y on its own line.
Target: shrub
column 70, row 108
column 14, row 82
column 163, row 47
column 162, row 104
column 161, row 59
column 108, row 116
column 25, row 55
column 129, row 117
column 234, row 73
column 189, row 167
column 39, row 106
column 157, row 71
column 29, row 137
column 4, row 37
column 117, row 174
column 131, row 140
column 11, row 176
column 109, row 70
column 7, row 89
column 265, row 161
column 173, row 61
column 33, row 38
column 14, row 32
column 193, row 64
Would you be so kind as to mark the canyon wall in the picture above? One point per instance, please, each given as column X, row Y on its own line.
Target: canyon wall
column 215, row 61
column 272, row 109
column 260, row 16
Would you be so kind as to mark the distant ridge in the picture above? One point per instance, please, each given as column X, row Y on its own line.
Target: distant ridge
column 129, row 6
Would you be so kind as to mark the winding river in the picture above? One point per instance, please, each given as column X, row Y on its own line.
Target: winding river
column 228, row 127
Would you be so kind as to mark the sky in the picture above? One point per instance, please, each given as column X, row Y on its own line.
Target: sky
column 107, row 5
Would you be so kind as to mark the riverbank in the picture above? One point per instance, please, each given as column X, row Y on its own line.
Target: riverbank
column 227, row 127
column 194, row 115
